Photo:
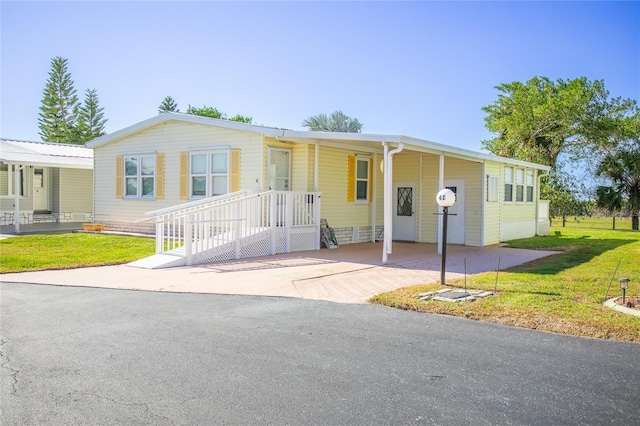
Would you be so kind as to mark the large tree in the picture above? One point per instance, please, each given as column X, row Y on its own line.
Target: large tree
column 541, row 119
column 91, row 119
column 337, row 121
column 168, row 104
column 59, row 106
column 623, row 168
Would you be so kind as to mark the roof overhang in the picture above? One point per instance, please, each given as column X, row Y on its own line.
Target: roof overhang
column 365, row 141
column 45, row 154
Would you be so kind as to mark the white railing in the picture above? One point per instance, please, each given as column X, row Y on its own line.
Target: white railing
column 240, row 226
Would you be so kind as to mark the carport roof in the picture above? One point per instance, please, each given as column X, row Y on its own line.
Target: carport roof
column 362, row 140
column 45, row 154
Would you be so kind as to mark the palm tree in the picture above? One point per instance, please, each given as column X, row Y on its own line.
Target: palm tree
column 623, row 168
column 611, row 200
column 336, row 122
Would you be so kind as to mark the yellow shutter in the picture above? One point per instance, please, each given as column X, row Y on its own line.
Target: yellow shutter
column 351, row 179
column 184, row 175
column 119, row 175
column 160, row 176
column 234, row 172
column 370, row 183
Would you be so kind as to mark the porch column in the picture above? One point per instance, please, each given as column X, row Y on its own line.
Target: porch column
column 316, row 167
column 388, row 199
column 440, row 217
column 374, row 182
column 16, row 197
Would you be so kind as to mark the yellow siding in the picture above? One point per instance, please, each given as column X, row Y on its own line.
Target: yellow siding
column 169, row 138
column 492, row 208
column 430, row 166
column 299, row 167
column 517, row 219
column 76, row 190
column 333, row 184
column 471, row 172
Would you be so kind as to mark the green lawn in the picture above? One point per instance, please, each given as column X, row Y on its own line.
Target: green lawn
column 74, row 250
column 561, row 293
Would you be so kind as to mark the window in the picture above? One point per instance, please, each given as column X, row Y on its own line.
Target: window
column 508, row 184
column 7, row 174
column 519, row 185
column 140, row 176
column 529, row 186
column 209, row 173
column 362, row 179
column 492, row 188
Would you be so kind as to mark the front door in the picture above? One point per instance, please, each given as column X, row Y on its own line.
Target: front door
column 279, row 169
column 404, row 209
column 455, row 228
column 40, row 193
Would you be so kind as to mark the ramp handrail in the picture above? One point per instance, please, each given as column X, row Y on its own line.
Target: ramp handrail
column 195, row 229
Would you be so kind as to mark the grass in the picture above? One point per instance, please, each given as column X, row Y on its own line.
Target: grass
column 67, row 251
column 563, row 293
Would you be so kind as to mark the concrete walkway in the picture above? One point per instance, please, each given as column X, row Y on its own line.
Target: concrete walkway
column 349, row 274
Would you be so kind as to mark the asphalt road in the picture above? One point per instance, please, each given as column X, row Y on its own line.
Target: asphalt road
column 90, row 356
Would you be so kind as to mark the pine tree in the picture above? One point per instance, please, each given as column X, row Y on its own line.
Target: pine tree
column 168, row 105
column 59, row 108
column 91, row 119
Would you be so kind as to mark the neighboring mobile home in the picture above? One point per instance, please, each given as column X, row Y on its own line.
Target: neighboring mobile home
column 177, row 158
column 44, row 182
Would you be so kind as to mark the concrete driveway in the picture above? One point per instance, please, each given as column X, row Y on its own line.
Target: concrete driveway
column 350, row 274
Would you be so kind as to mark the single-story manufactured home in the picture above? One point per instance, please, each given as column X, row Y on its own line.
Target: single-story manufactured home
column 366, row 187
column 44, row 182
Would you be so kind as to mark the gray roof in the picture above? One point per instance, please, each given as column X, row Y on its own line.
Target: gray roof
column 46, row 154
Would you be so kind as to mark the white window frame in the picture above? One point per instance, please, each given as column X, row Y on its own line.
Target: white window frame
column 492, row 188
column 139, row 176
column 10, row 184
column 519, row 185
column 508, row 180
column 367, row 180
column 529, row 184
column 209, row 174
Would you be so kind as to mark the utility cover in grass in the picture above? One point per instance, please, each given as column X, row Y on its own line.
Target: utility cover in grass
column 454, row 295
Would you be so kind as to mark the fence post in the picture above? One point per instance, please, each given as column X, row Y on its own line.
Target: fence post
column 288, row 219
column 316, row 217
column 188, row 238
column 273, row 220
column 159, row 234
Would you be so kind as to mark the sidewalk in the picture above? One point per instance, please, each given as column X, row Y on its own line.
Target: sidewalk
column 349, row 274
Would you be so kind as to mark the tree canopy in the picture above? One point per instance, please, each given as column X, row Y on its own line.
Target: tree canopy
column 62, row 117
column 168, row 104
column 59, row 105
column 622, row 167
column 540, row 119
column 91, row 119
column 337, row 121
column 207, row 111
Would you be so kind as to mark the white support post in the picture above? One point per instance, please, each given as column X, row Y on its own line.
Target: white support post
column 316, row 217
column 188, row 239
column 374, row 182
column 16, row 197
column 236, row 231
column 159, row 234
column 273, row 218
column 316, row 168
column 288, row 218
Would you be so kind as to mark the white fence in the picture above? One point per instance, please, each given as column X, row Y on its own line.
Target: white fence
column 240, row 225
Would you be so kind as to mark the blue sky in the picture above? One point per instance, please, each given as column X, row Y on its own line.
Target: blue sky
column 421, row 69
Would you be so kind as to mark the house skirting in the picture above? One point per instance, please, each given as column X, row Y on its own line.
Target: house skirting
column 357, row 234
column 146, row 228
column 29, row 218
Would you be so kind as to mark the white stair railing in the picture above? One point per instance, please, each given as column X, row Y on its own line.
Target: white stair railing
column 240, row 225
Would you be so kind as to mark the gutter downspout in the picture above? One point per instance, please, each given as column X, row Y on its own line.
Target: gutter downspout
column 388, row 198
